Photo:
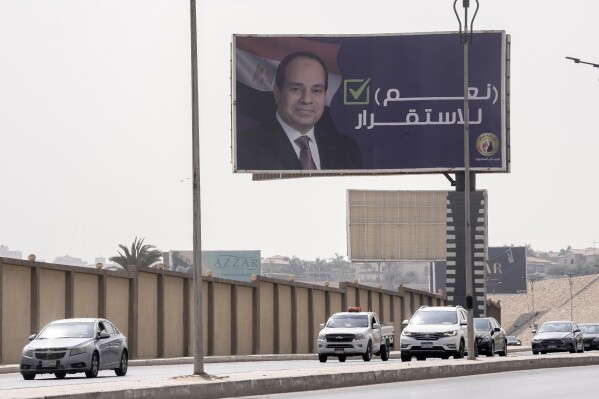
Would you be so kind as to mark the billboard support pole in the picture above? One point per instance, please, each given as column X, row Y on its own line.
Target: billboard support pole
column 198, row 347
column 466, row 39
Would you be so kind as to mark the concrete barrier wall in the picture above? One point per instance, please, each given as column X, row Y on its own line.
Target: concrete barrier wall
column 155, row 308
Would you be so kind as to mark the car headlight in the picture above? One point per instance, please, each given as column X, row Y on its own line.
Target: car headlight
column 486, row 339
column 27, row 352
column 77, row 351
column 359, row 336
column 452, row 333
column 406, row 333
column 322, row 337
column 536, row 340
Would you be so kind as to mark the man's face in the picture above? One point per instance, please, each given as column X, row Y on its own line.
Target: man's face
column 300, row 102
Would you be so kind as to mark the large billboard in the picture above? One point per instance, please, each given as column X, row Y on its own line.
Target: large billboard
column 369, row 104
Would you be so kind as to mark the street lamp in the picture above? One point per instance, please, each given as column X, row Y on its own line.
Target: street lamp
column 532, row 291
column 466, row 39
column 570, row 282
column 579, row 61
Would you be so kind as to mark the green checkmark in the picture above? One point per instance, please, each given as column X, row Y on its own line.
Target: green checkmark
column 359, row 95
column 356, row 93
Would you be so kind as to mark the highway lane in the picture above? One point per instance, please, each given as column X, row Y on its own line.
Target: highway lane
column 14, row 381
column 558, row 383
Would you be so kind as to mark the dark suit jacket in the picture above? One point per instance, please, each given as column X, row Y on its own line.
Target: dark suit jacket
column 267, row 147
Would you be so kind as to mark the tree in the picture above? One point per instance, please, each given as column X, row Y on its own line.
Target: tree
column 139, row 255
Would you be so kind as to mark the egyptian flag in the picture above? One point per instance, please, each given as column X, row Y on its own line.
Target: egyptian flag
column 256, row 60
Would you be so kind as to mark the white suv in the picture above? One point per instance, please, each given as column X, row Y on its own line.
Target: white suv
column 437, row 331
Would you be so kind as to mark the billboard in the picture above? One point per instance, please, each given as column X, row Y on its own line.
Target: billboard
column 369, row 104
column 232, row 265
column 506, row 270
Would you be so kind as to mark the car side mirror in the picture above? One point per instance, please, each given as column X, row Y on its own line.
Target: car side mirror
column 534, row 331
column 497, row 329
column 321, row 326
column 464, row 323
column 376, row 326
column 577, row 330
column 32, row 336
column 103, row 335
column 404, row 323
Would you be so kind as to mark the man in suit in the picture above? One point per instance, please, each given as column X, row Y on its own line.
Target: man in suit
column 292, row 139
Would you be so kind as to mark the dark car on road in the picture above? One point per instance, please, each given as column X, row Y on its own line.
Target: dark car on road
column 490, row 337
column 590, row 335
column 513, row 341
column 82, row 345
column 557, row 336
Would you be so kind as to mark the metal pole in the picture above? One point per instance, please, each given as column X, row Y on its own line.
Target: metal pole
column 570, row 276
column 469, row 293
column 466, row 39
column 198, row 348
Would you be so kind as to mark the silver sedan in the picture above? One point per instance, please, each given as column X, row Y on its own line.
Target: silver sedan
column 81, row 345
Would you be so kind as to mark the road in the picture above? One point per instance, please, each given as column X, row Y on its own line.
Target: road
column 282, row 373
column 569, row 382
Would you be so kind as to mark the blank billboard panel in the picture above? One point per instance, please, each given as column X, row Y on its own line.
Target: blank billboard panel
column 396, row 225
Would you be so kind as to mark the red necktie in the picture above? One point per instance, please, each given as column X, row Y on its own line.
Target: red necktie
column 305, row 156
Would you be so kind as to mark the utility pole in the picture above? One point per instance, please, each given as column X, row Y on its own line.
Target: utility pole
column 466, row 39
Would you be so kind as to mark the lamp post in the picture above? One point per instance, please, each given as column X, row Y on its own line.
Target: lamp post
column 466, row 39
column 198, row 347
column 532, row 291
column 579, row 61
column 570, row 282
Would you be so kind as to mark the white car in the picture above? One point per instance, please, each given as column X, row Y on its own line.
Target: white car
column 437, row 331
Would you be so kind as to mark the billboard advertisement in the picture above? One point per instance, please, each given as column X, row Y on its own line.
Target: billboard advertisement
column 232, row 265
column 367, row 104
column 506, row 270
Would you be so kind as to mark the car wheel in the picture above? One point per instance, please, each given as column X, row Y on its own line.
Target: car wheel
column 535, row 352
column 384, row 353
column 122, row 370
column 60, row 374
column 420, row 358
column 322, row 358
column 460, row 353
column 28, row 376
column 95, row 366
column 342, row 358
column 491, row 349
column 504, row 351
column 368, row 355
column 405, row 358
column 574, row 348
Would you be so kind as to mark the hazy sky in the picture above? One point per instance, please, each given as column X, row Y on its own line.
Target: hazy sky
column 95, row 126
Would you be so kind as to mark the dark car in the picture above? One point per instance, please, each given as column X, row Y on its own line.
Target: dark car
column 75, row 346
column 557, row 336
column 490, row 337
column 513, row 341
column 590, row 335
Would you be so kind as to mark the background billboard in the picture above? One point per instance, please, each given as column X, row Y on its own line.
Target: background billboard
column 399, row 97
column 232, row 265
column 506, row 270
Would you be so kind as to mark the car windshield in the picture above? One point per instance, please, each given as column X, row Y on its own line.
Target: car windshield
column 435, row 317
column 589, row 329
column 68, row 330
column 555, row 327
column 348, row 321
column 482, row 325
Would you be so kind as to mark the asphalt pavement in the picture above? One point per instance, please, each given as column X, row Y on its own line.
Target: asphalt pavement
column 269, row 382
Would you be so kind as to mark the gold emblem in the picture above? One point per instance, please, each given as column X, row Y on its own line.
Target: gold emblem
column 487, row 144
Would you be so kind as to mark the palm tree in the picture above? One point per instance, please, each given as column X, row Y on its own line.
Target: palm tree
column 139, row 255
